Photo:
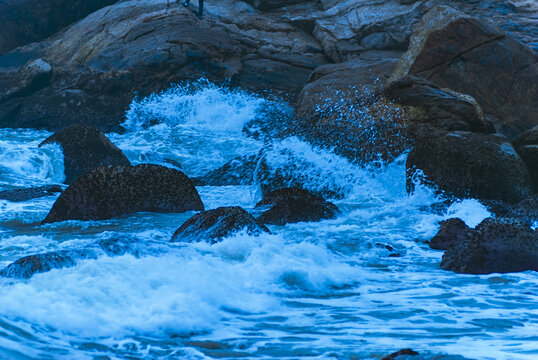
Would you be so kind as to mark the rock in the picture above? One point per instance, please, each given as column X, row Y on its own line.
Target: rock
column 472, row 57
column 292, row 205
column 451, row 232
column 464, row 164
column 338, row 109
column 32, row 77
column 28, row 266
column 214, row 225
column 238, row 171
column 84, row 148
column 16, row 195
column 112, row 191
column 495, row 246
column 139, row 47
column 437, row 108
column 526, row 146
column 265, row 5
column 525, row 210
column 398, row 354
column 28, row 21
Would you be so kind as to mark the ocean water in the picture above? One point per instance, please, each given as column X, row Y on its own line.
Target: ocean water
column 360, row 286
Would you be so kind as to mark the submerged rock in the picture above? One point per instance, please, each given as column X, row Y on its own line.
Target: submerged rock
column 398, row 354
column 292, row 205
column 473, row 57
column 214, row 225
column 30, row 193
column 113, row 191
column 498, row 245
column 28, row 266
column 452, row 232
column 84, row 148
column 466, row 165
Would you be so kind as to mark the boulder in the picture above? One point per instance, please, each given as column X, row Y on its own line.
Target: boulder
column 238, row 171
column 112, row 191
column 497, row 245
column 451, row 232
column 338, row 109
column 475, row 58
column 526, row 146
column 28, row 266
column 436, row 108
column 525, row 210
column 16, row 195
column 214, row 225
column 463, row 164
column 32, row 77
column 85, row 148
column 400, row 353
column 27, row 21
column 292, row 205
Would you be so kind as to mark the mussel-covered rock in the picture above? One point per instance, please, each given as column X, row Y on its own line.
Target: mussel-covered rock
column 113, row 191
column 463, row 164
column 29, row 193
column 451, row 232
column 292, row 205
column 84, row 148
column 214, row 225
column 496, row 245
column 526, row 146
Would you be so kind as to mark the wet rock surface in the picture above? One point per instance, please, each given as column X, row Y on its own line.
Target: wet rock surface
column 113, row 191
column 466, row 164
column 214, row 225
column 16, row 195
column 85, row 148
column 28, row 21
column 401, row 353
column 292, row 205
column 451, row 232
column 239, row 171
column 476, row 58
column 525, row 210
column 526, row 146
column 499, row 245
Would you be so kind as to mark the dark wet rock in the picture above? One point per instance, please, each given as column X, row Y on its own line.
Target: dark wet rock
column 238, row 171
column 525, row 210
column 451, row 232
column 526, row 146
column 28, row 266
column 476, row 58
column 30, row 193
column 464, row 164
column 84, row 148
column 496, row 245
column 292, row 205
column 27, row 21
column 214, row 225
column 112, row 191
column 265, row 5
column 437, row 108
column 401, row 353
column 32, row 77
column 338, row 109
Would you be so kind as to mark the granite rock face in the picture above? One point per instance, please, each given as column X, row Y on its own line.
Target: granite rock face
column 473, row 57
column 112, row 191
column 84, row 148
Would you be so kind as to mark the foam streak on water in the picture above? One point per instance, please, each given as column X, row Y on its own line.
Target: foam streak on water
column 356, row 287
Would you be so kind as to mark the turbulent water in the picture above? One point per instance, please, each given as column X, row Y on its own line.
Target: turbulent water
column 357, row 287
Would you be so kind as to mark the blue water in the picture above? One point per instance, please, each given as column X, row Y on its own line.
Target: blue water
column 321, row 290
